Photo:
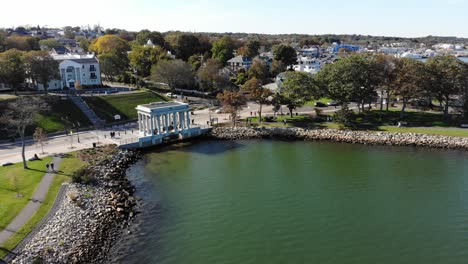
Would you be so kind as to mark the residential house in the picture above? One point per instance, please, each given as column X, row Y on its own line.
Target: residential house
column 239, row 62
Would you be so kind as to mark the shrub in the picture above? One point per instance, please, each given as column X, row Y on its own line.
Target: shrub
column 343, row 117
column 83, row 176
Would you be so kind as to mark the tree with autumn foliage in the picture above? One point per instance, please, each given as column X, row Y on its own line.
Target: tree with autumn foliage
column 258, row 94
column 112, row 54
column 232, row 102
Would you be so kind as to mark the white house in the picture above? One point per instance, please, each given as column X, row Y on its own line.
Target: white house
column 307, row 64
column 76, row 69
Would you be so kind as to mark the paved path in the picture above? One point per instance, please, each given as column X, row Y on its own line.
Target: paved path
column 32, row 206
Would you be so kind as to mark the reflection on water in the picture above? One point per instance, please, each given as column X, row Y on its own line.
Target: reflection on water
column 299, row 202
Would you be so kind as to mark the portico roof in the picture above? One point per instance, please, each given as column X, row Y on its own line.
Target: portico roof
column 159, row 107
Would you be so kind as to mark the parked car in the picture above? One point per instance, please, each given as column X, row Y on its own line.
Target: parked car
column 320, row 104
column 332, row 103
column 171, row 95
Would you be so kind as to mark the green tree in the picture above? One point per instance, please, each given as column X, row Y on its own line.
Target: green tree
column 112, row 65
column 186, row 45
column 174, row 73
column 258, row 94
column 112, row 51
column 211, row 77
column 297, row 89
column 42, row 67
column 83, row 43
column 20, row 115
column 252, row 48
column 157, row 38
column 143, row 58
column 195, row 62
column 50, row 43
column 223, row 49
column 409, row 81
column 286, row 54
column 232, row 102
column 12, row 68
column 259, row 70
column 24, row 43
column 3, row 37
column 447, row 79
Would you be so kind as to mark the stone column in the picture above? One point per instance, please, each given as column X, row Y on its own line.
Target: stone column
column 181, row 120
column 139, row 122
column 143, row 124
column 152, row 124
column 188, row 119
column 148, row 123
column 158, row 119
column 176, row 129
column 166, row 122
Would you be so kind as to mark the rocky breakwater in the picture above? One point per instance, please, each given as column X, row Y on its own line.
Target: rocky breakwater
column 348, row 136
column 89, row 218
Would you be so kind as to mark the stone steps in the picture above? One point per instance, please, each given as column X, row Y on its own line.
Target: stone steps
column 90, row 114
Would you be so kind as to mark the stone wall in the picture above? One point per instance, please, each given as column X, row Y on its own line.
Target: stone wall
column 348, row 136
column 89, row 218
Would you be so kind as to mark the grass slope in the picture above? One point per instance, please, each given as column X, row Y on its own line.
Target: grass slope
column 54, row 120
column 107, row 106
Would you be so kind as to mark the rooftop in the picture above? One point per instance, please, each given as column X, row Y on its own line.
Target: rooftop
column 162, row 106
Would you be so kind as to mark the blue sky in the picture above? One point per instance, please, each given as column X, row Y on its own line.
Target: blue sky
column 379, row 17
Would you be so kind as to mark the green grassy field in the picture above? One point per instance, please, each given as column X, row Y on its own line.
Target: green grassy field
column 17, row 186
column 107, row 106
column 70, row 164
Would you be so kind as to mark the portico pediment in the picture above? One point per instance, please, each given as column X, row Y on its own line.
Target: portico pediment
column 68, row 63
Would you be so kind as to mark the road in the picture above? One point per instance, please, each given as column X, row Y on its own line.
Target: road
column 11, row 152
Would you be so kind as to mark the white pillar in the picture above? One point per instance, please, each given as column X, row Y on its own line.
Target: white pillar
column 148, row 123
column 175, row 121
column 166, row 122
column 181, row 120
column 152, row 124
column 139, row 122
column 188, row 119
column 158, row 119
column 143, row 124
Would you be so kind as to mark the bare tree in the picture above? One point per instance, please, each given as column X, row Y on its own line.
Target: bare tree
column 232, row 103
column 20, row 115
column 40, row 137
column 174, row 73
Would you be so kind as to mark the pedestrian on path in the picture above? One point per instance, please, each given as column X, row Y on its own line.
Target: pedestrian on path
column 47, row 166
column 52, row 166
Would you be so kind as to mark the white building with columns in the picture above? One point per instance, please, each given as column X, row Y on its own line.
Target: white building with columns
column 75, row 69
column 157, row 121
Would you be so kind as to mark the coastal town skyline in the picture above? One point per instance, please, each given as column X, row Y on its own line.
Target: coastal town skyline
column 398, row 18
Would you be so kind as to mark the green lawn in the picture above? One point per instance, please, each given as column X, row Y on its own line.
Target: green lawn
column 107, row 106
column 17, row 186
column 61, row 110
column 374, row 119
column 69, row 165
column 454, row 132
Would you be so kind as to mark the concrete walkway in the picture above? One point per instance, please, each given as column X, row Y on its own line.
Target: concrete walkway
column 32, row 206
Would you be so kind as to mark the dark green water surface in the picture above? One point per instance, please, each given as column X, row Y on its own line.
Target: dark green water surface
column 299, row 202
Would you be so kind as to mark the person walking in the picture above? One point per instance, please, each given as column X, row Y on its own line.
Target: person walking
column 52, row 166
column 47, row 166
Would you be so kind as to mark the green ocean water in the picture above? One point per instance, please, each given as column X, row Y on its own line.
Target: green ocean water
column 299, row 202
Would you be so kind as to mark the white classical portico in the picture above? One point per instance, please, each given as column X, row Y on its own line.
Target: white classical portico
column 163, row 119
